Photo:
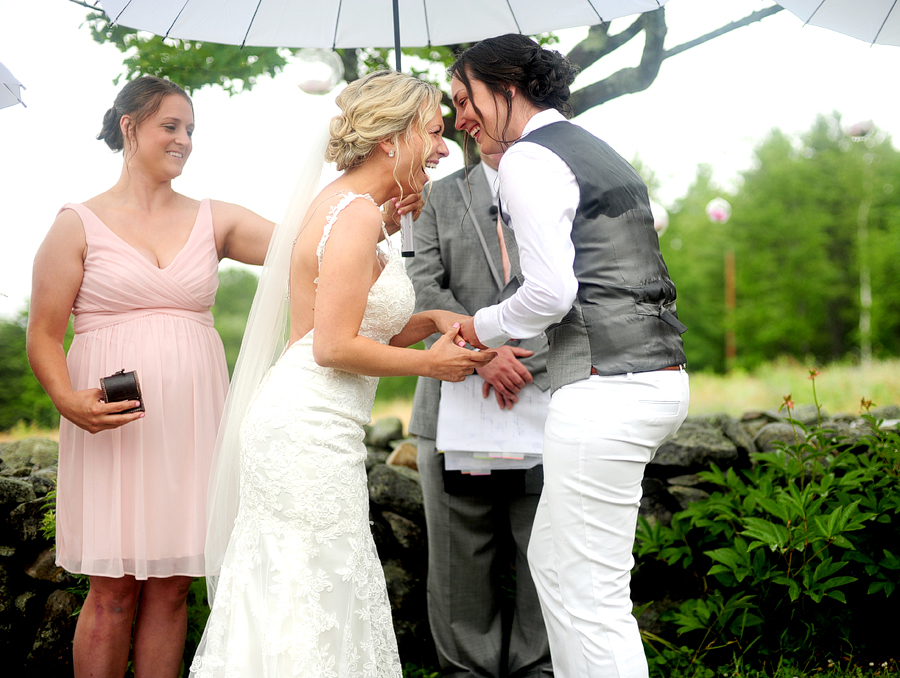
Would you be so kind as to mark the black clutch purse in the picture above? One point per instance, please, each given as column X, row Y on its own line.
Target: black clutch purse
column 122, row 386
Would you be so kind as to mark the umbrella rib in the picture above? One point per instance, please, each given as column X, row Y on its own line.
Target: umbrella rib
column 818, row 7
column 337, row 21
column 513, row 12
column 886, row 17
column 250, row 25
column 597, row 12
column 175, row 20
column 427, row 26
column 171, row 26
column 121, row 12
column 15, row 94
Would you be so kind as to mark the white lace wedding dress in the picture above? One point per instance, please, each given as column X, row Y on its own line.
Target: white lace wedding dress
column 302, row 592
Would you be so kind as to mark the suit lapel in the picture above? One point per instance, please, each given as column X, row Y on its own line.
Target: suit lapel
column 485, row 225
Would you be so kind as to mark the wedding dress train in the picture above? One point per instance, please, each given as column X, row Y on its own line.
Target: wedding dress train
column 302, row 591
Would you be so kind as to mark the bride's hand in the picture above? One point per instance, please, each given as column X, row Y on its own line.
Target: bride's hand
column 445, row 320
column 393, row 209
column 450, row 362
column 414, row 202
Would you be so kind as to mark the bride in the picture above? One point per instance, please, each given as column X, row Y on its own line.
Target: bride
column 300, row 589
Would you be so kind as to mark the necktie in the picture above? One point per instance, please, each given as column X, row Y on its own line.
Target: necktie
column 504, row 257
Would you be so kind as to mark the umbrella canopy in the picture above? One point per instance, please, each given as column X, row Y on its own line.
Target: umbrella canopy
column 875, row 21
column 10, row 89
column 361, row 23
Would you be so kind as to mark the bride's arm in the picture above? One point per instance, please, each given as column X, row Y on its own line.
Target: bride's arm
column 345, row 277
column 425, row 324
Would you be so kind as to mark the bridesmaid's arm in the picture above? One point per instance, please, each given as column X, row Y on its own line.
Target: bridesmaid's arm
column 244, row 236
column 241, row 235
column 56, row 279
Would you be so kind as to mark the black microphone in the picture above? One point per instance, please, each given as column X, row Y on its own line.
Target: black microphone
column 493, row 211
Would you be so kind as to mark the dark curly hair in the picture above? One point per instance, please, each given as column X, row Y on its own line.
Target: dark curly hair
column 542, row 75
column 140, row 99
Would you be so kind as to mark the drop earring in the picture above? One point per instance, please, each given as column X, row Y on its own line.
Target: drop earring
column 391, row 153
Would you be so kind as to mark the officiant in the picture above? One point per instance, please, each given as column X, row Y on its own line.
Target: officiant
column 478, row 525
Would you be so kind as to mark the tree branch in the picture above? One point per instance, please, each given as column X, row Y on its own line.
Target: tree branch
column 629, row 80
column 746, row 21
column 599, row 43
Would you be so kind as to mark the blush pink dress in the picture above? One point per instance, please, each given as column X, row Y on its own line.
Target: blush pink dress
column 133, row 500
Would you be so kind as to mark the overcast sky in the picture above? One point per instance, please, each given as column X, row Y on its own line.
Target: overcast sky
column 711, row 104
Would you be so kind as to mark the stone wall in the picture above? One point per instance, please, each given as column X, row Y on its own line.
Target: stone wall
column 36, row 609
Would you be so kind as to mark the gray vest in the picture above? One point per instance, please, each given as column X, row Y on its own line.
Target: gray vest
column 623, row 319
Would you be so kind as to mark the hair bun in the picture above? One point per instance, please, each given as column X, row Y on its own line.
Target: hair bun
column 110, row 132
column 551, row 75
column 543, row 75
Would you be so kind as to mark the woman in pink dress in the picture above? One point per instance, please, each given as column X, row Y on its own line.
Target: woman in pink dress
column 137, row 265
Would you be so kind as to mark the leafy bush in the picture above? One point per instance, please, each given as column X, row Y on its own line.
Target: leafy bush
column 198, row 612
column 790, row 560
column 22, row 399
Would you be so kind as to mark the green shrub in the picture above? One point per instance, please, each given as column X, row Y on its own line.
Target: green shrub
column 791, row 560
column 198, row 612
column 411, row 670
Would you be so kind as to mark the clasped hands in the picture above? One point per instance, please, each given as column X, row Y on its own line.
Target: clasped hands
column 506, row 374
column 503, row 372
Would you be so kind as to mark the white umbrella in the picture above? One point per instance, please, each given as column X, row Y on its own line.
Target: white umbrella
column 875, row 21
column 10, row 89
column 361, row 23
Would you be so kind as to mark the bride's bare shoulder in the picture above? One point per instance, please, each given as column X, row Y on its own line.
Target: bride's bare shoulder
column 357, row 207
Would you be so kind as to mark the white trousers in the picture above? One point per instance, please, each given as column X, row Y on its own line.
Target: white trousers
column 600, row 434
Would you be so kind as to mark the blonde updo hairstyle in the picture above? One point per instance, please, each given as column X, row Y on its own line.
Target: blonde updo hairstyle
column 380, row 106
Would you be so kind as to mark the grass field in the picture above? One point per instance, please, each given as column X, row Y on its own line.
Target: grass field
column 839, row 389
column 22, row 431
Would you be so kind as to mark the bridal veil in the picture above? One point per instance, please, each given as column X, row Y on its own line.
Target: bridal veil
column 264, row 341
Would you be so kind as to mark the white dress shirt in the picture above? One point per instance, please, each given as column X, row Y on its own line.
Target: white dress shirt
column 490, row 175
column 540, row 194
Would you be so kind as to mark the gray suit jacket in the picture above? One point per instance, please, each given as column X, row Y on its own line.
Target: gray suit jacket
column 457, row 267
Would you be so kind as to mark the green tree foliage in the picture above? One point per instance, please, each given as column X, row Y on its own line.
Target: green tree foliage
column 796, row 236
column 191, row 64
column 794, row 230
column 21, row 396
column 233, row 300
column 694, row 249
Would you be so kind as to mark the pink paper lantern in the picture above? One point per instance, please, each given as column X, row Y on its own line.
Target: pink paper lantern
column 718, row 210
